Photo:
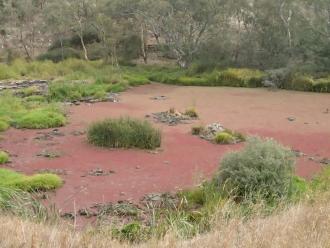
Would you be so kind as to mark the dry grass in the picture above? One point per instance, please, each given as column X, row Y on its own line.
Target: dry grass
column 302, row 225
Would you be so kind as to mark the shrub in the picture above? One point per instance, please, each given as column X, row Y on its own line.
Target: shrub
column 240, row 78
column 38, row 182
column 263, row 168
column 59, row 54
column 40, row 119
column 197, row 130
column 3, row 125
column 4, row 157
column 299, row 82
column 224, row 138
column 124, row 133
column 191, row 112
column 322, row 85
column 35, row 99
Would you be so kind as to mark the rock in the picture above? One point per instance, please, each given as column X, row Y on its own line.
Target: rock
column 172, row 117
column 100, row 172
column 78, row 133
column 68, row 215
column 291, row 118
column 49, row 154
column 159, row 98
column 87, row 213
column 298, row 153
column 325, row 161
column 211, row 130
column 52, row 171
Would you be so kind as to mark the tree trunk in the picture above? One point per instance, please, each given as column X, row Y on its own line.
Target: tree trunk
column 143, row 45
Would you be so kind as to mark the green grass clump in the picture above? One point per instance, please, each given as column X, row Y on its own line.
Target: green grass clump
column 192, row 113
column 224, row 138
column 38, row 182
column 41, row 119
column 234, row 77
column 20, row 113
column 124, row 133
column 263, row 168
column 4, row 157
column 3, row 126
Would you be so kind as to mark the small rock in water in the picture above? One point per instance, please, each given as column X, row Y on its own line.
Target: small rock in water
column 99, row 172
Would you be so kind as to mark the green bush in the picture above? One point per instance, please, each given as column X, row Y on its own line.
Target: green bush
column 263, row 168
column 239, row 78
column 124, row 133
column 322, row 85
column 224, row 138
column 299, row 82
column 38, row 182
column 4, row 157
column 41, row 119
column 59, row 54
column 3, row 126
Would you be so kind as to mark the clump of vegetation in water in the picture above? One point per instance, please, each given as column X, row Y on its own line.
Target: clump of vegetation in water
column 264, row 168
column 38, row 182
column 191, row 112
column 4, row 157
column 18, row 113
column 124, row 133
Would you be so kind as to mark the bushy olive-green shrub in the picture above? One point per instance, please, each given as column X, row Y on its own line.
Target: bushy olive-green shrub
column 263, row 169
column 124, row 133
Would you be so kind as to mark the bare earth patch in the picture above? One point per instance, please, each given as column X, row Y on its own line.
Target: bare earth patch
column 183, row 158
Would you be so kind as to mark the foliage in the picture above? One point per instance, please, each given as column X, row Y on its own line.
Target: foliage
column 3, row 125
column 38, row 182
column 191, row 112
column 16, row 112
column 224, row 138
column 4, row 157
column 124, row 133
column 263, row 168
column 40, row 119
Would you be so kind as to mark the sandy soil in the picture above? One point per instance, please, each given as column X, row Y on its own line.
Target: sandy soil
column 184, row 159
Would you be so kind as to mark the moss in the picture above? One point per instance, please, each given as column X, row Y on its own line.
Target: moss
column 4, row 157
column 41, row 119
column 224, row 138
column 38, row 182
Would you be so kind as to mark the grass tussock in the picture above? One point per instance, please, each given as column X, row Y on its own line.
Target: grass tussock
column 17, row 112
column 38, row 182
column 4, row 157
column 124, row 133
column 300, row 225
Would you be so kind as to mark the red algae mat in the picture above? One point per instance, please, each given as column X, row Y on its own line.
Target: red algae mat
column 183, row 159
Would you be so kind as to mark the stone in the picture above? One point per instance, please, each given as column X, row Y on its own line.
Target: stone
column 100, row 172
column 291, row 119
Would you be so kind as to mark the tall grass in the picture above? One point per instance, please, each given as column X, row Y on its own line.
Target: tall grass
column 17, row 112
column 124, row 133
